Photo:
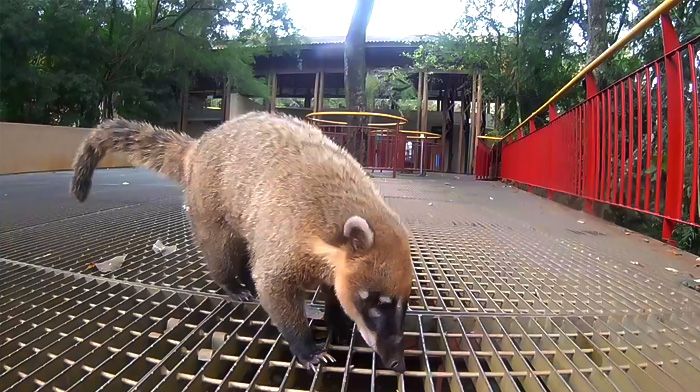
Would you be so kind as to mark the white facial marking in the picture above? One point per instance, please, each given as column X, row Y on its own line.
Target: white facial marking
column 369, row 337
column 374, row 313
column 398, row 304
column 384, row 299
column 363, row 294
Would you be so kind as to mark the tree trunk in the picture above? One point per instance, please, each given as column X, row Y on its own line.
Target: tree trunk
column 597, row 34
column 356, row 73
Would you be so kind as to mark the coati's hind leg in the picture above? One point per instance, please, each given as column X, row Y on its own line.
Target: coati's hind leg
column 225, row 253
column 284, row 303
column 338, row 323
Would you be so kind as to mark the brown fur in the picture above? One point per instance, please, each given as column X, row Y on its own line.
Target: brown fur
column 275, row 187
column 146, row 145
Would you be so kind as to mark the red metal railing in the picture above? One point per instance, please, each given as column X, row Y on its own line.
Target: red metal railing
column 432, row 155
column 632, row 145
column 384, row 148
column 487, row 161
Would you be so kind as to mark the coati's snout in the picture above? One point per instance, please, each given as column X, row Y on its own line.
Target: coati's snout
column 373, row 275
column 382, row 325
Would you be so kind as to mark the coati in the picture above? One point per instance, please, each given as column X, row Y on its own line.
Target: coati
column 273, row 189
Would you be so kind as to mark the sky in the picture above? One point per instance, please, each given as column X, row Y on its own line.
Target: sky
column 390, row 18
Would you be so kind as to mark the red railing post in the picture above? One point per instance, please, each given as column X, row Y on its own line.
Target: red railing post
column 401, row 151
column 552, row 116
column 589, row 164
column 676, row 128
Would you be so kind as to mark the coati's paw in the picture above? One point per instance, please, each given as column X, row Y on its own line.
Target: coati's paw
column 239, row 294
column 243, row 296
column 313, row 362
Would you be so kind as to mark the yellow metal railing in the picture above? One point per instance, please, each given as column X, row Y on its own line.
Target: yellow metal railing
column 639, row 28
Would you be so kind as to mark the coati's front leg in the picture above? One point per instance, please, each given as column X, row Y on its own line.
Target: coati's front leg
column 338, row 323
column 284, row 303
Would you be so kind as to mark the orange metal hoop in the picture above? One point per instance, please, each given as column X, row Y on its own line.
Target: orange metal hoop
column 317, row 117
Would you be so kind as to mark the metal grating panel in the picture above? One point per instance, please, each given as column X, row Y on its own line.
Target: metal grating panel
column 500, row 303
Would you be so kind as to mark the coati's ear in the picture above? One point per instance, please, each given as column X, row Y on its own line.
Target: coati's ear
column 358, row 233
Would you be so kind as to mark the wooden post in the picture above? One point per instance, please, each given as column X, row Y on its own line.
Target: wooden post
column 419, row 96
column 477, row 112
column 317, row 82
column 227, row 100
column 184, row 99
column 460, row 138
column 424, row 104
column 471, row 148
column 321, row 87
column 272, row 105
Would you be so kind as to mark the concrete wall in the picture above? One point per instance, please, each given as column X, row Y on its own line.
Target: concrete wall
column 34, row 148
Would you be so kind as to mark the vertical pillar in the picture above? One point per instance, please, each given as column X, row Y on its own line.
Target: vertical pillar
column 419, row 112
column 676, row 128
column 321, row 87
column 478, row 110
column 317, row 82
column 227, row 100
column 424, row 104
column 184, row 103
column 589, row 145
column 273, row 92
column 471, row 148
column 460, row 138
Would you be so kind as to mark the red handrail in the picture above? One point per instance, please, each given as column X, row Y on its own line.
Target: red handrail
column 628, row 145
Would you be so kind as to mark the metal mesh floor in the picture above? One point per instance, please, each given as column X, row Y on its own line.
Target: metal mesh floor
column 508, row 295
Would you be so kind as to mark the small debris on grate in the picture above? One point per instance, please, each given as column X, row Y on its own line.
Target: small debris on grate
column 675, row 271
column 41, row 257
column 692, row 283
column 430, row 204
column 581, row 221
column 490, row 197
column 447, row 183
column 634, row 262
column 646, row 240
column 110, row 265
column 125, row 183
column 628, row 232
column 676, row 252
column 164, row 250
column 185, row 207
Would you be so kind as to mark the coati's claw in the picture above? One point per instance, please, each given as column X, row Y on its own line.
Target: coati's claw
column 242, row 296
column 314, row 363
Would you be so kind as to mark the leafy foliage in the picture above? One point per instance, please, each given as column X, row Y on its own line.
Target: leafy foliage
column 72, row 62
column 390, row 90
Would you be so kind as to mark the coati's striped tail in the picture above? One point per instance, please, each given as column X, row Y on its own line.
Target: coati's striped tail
column 144, row 144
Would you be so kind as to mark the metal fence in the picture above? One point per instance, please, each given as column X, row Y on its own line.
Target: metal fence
column 632, row 145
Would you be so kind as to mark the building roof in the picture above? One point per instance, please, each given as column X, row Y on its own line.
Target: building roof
column 411, row 39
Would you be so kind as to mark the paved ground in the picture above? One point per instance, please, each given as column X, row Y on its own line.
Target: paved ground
column 512, row 292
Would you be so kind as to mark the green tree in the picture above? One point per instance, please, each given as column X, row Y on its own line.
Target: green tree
column 73, row 62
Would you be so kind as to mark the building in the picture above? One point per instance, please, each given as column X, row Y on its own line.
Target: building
column 310, row 78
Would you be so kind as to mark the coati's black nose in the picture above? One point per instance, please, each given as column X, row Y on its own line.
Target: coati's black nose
column 398, row 366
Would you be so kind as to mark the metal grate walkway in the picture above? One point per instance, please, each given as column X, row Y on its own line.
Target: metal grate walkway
column 511, row 293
